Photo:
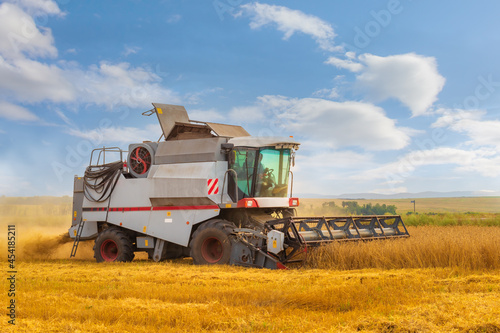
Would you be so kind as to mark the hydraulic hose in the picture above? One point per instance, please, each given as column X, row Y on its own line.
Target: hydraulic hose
column 101, row 180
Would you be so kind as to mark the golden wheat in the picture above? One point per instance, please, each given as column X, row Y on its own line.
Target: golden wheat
column 69, row 296
column 464, row 247
column 441, row 279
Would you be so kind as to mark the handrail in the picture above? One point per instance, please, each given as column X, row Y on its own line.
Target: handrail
column 224, row 185
column 103, row 152
column 291, row 184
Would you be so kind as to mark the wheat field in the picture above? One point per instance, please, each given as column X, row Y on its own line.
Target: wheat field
column 441, row 279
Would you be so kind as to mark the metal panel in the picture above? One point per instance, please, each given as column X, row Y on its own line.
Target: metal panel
column 181, row 180
column 272, row 202
column 145, row 242
column 133, row 220
column 275, row 241
column 229, row 131
column 168, row 115
column 156, row 202
column 89, row 230
column 77, row 200
column 188, row 180
column 175, row 225
column 132, row 192
column 188, row 151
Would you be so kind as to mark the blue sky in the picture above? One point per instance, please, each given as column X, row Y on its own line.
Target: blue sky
column 385, row 96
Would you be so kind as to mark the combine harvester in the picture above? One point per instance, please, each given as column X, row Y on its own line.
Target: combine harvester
column 209, row 191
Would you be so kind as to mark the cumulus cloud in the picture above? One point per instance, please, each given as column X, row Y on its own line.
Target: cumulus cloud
column 248, row 114
column 210, row 115
column 338, row 124
column 348, row 64
column 38, row 7
column 412, row 79
column 290, row 21
column 15, row 112
column 329, row 161
column 120, row 135
column 327, row 93
column 26, row 79
column 121, row 84
column 482, row 161
column 20, row 37
column 469, row 122
column 32, row 81
column 130, row 50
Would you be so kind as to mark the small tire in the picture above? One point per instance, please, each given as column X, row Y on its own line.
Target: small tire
column 211, row 243
column 113, row 244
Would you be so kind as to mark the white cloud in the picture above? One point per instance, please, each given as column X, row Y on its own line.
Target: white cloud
column 327, row 93
column 198, row 96
column 19, row 35
column 16, row 112
column 390, row 190
column 26, row 79
column 484, row 162
column 39, row 7
column 481, row 132
column 343, row 124
column 32, row 81
column 346, row 64
column 412, row 79
column 63, row 117
column 130, row 50
column 210, row 115
column 449, row 117
column 330, row 161
column 290, row 21
column 121, row 135
column 337, row 124
column 112, row 85
column 247, row 114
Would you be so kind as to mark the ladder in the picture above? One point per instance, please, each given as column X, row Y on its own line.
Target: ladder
column 77, row 238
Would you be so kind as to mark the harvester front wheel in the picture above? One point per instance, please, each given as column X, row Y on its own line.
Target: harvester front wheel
column 112, row 244
column 211, row 243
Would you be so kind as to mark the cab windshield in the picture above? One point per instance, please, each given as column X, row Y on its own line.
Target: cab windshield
column 262, row 172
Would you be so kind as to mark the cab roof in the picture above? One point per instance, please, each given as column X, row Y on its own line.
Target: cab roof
column 258, row 142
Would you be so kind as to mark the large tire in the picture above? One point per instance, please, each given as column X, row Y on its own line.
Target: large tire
column 212, row 242
column 113, row 244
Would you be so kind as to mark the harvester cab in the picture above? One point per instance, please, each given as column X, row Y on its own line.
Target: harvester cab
column 205, row 190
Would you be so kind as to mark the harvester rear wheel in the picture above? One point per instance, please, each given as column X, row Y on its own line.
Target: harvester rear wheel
column 112, row 244
column 211, row 243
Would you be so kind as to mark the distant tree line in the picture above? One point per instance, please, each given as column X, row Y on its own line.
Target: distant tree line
column 352, row 207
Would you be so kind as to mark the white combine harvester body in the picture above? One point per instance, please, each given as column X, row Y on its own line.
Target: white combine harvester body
column 209, row 191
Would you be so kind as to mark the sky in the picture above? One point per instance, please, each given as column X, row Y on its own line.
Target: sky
column 385, row 96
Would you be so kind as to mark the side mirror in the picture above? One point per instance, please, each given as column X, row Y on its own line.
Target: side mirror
column 231, row 157
column 227, row 148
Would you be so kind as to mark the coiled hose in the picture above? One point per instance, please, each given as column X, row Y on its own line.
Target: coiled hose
column 101, row 180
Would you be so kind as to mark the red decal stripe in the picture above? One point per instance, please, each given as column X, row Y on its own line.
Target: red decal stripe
column 138, row 209
column 185, row 207
column 214, row 184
